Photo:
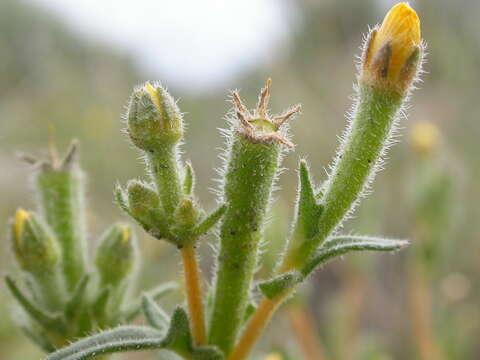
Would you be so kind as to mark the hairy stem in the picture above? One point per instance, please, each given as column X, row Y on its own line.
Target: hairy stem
column 61, row 198
column 356, row 164
column 247, row 190
column 164, row 169
column 194, row 294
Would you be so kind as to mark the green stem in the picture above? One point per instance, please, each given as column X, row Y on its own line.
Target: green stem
column 61, row 201
column 357, row 162
column 247, row 191
column 165, row 172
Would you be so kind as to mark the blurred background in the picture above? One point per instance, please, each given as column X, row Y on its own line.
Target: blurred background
column 67, row 69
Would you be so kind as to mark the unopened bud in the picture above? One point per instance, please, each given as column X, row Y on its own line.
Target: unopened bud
column 186, row 214
column 34, row 245
column 153, row 119
column 143, row 201
column 393, row 52
column 116, row 255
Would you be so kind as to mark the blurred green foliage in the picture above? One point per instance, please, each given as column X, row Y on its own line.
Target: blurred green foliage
column 55, row 84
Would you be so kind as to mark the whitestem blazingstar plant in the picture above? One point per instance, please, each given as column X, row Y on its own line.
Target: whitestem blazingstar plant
column 166, row 208
column 62, row 297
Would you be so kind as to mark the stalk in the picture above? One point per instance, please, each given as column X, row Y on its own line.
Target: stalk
column 248, row 185
column 165, row 172
column 194, row 294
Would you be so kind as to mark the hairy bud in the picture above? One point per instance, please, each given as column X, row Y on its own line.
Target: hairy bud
column 153, row 118
column 35, row 248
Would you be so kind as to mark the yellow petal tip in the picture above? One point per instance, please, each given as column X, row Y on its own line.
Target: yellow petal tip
column 20, row 217
column 153, row 92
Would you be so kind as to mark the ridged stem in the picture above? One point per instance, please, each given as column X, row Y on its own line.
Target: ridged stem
column 248, row 184
column 61, row 196
column 194, row 294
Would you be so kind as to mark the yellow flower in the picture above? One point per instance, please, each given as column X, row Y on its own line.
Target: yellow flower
column 394, row 49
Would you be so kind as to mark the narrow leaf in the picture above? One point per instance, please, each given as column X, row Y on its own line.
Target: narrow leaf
column 209, row 222
column 44, row 318
column 38, row 338
column 189, row 179
column 154, row 314
column 75, row 303
column 340, row 245
column 280, row 284
column 308, row 210
column 120, row 339
column 135, row 307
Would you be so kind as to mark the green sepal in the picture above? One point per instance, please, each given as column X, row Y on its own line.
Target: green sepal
column 280, row 284
column 135, row 306
column 209, row 222
column 343, row 244
column 136, row 338
column 154, row 314
column 188, row 179
column 44, row 318
column 76, row 302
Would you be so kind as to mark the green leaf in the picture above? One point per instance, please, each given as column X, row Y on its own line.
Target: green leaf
column 99, row 307
column 44, row 318
column 75, row 303
column 210, row 221
column 154, row 314
column 343, row 244
column 123, row 338
column 280, row 284
column 136, row 338
column 179, row 339
column 135, row 307
column 309, row 210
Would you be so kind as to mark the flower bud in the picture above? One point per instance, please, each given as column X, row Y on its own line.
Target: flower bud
column 116, row 255
column 34, row 245
column 143, row 202
column 393, row 52
column 186, row 214
column 153, row 118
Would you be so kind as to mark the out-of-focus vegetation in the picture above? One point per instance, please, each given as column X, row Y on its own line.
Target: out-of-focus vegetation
column 54, row 84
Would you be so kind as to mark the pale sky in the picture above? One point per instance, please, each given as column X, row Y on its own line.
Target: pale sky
column 199, row 43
